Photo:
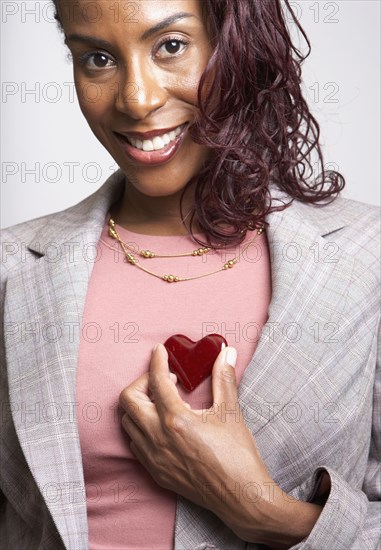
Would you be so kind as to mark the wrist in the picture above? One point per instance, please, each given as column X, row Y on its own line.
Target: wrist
column 276, row 519
column 289, row 520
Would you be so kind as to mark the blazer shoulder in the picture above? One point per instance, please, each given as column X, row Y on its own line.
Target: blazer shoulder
column 352, row 225
column 17, row 241
column 345, row 211
column 16, row 238
column 356, row 212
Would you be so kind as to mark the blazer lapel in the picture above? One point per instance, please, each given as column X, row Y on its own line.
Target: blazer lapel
column 311, row 275
column 43, row 314
column 306, row 308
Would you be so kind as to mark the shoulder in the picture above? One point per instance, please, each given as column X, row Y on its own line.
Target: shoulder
column 345, row 210
column 15, row 240
column 21, row 243
column 343, row 226
column 352, row 225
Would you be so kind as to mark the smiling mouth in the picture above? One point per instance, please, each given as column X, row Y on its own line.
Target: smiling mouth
column 157, row 143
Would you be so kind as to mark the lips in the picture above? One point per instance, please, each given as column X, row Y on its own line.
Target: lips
column 154, row 142
column 157, row 150
column 151, row 134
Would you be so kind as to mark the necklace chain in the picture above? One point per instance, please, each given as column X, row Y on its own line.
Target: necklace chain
column 173, row 278
column 150, row 254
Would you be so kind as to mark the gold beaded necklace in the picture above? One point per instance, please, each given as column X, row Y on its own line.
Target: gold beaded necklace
column 173, row 278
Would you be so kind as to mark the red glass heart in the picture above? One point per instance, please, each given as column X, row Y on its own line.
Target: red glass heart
column 191, row 361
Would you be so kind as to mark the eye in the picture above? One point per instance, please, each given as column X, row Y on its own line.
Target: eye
column 171, row 47
column 96, row 61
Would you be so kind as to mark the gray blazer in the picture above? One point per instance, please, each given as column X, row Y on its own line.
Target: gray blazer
column 311, row 393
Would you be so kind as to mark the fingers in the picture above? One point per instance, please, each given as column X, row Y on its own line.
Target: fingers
column 136, row 403
column 224, row 382
column 139, row 442
column 142, row 398
column 162, row 383
column 136, row 391
column 139, row 389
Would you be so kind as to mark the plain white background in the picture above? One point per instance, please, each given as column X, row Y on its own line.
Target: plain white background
column 51, row 160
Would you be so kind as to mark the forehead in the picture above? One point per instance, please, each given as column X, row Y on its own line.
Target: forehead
column 93, row 14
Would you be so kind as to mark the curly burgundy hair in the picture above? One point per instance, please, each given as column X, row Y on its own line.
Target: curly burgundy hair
column 255, row 120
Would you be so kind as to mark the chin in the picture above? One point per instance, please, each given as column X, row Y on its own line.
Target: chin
column 157, row 181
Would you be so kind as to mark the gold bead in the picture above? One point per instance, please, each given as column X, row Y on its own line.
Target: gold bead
column 111, row 222
column 170, row 278
column 176, row 279
column 146, row 254
column 131, row 259
column 195, row 253
column 112, row 233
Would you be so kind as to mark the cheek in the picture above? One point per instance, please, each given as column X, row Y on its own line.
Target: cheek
column 94, row 100
column 184, row 84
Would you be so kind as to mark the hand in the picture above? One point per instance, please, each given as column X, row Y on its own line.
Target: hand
column 210, row 456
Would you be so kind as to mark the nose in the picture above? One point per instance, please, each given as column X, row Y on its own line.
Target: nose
column 140, row 91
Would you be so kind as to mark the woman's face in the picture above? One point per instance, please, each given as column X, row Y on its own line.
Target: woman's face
column 137, row 66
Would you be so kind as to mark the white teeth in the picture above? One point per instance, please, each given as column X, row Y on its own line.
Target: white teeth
column 148, row 145
column 158, row 142
column 166, row 139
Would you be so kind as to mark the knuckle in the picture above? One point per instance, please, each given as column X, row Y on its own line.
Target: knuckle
column 132, row 410
column 175, row 423
column 124, row 398
column 161, row 478
column 130, row 407
column 125, row 419
column 227, row 375
column 154, row 383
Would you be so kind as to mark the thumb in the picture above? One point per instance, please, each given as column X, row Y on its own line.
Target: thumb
column 224, row 383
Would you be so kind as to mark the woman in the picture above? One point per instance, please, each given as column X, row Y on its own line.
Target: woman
column 200, row 105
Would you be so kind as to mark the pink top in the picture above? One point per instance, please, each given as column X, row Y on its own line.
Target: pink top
column 127, row 311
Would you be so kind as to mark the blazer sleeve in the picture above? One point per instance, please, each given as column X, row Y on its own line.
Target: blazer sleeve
column 351, row 517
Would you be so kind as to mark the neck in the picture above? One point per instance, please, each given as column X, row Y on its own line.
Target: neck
column 154, row 215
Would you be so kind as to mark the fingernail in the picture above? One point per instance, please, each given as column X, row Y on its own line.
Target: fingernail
column 161, row 347
column 156, row 347
column 230, row 356
column 173, row 377
column 223, row 345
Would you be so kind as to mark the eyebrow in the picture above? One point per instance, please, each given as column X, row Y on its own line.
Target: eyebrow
column 165, row 23
column 147, row 34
